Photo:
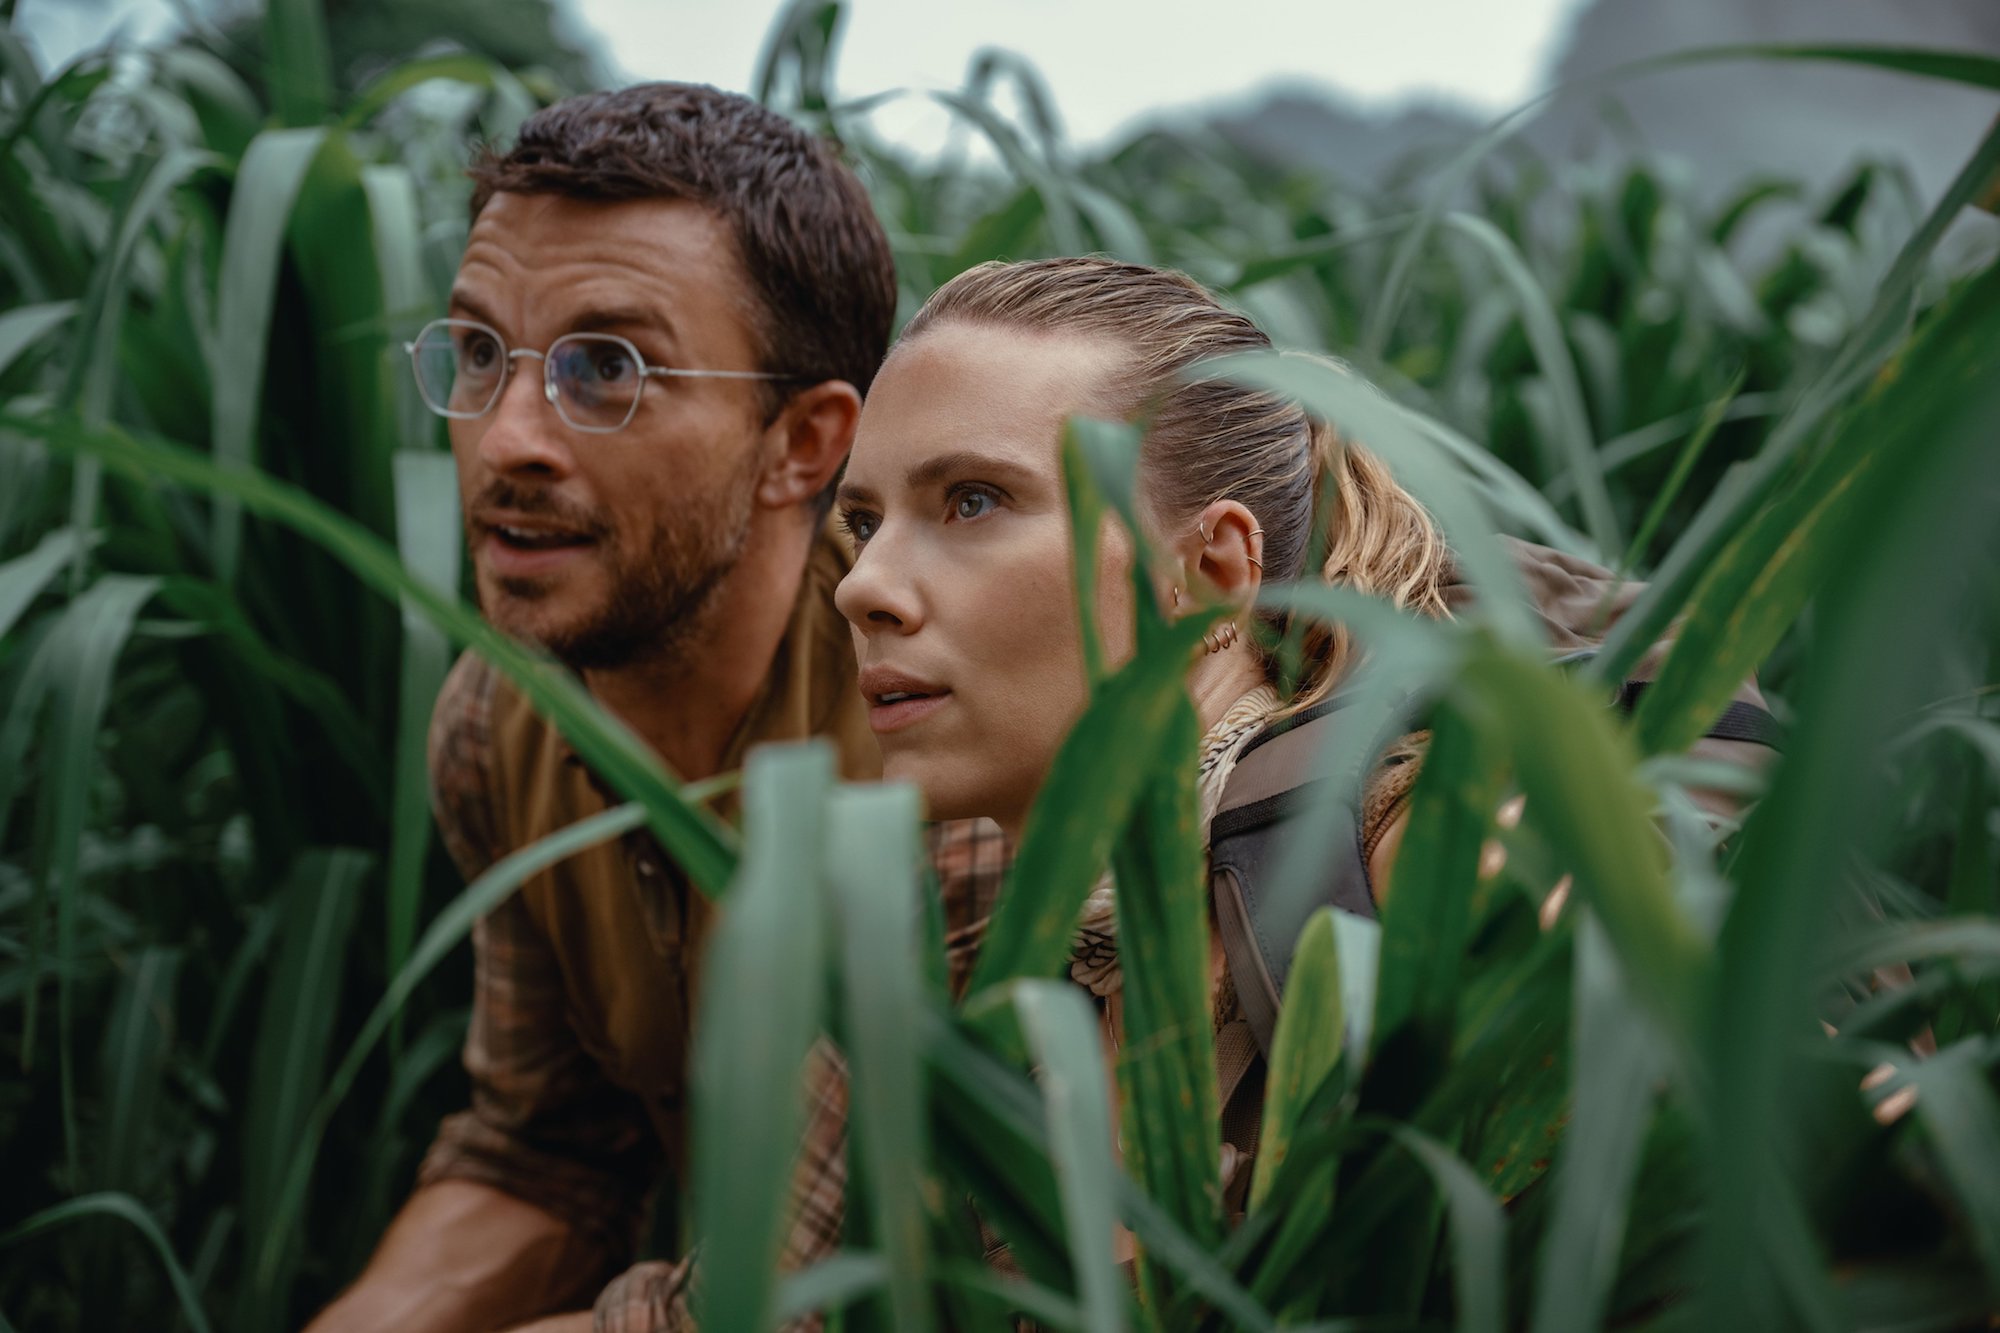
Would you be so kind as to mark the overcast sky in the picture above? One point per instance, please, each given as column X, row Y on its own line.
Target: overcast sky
column 1109, row 62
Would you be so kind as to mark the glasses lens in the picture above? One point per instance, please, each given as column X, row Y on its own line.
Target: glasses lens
column 459, row 367
column 597, row 379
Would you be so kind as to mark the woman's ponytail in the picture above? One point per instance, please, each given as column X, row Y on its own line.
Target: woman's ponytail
column 1378, row 540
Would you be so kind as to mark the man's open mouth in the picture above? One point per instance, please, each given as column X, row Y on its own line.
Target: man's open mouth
column 538, row 539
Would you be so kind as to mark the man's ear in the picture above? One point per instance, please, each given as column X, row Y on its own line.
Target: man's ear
column 807, row 443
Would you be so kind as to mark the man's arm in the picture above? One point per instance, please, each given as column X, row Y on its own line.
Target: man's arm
column 462, row 1257
column 532, row 1197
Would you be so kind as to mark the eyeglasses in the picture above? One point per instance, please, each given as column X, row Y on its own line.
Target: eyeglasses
column 591, row 379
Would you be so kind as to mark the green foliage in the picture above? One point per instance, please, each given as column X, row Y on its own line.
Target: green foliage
column 231, row 960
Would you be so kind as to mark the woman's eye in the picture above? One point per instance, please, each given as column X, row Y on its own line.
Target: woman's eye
column 860, row 524
column 972, row 504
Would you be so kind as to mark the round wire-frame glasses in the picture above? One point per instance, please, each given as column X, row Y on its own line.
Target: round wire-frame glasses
column 593, row 380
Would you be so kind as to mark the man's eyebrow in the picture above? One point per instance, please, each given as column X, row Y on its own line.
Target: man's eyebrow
column 941, row 467
column 460, row 301
column 599, row 319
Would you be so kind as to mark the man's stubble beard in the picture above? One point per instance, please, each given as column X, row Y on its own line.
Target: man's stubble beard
column 661, row 599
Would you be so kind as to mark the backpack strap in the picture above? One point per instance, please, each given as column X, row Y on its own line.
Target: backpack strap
column 1740, row 721
column 1273, row 781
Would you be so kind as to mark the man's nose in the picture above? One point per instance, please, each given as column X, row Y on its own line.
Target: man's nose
column 523, row 433
column 878, row 593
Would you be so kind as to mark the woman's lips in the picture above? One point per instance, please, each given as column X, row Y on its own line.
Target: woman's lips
column 885, row 718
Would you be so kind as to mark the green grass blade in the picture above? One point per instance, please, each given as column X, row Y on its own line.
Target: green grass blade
column 1364, row 414
column 873, row 861
column 475, row 71
column 1478, row 1234
column 25, row 326
column 1870, row 342
column 1061, row 1031
column 136, row 1045
column 1824, row 809
column 91, row 636
column 1760, row 582
column 1618, row 1060
column 426, row 488
column 694, row 837
column 23, row 578
column 763, row 983
column 1545, row 335
column 288, row 1063
column 299, row 63
column 446, row 931
column 1311, row 1030
column 127, row 1209
column 1577, row 772
column 253, row 243
column 1961, row 1115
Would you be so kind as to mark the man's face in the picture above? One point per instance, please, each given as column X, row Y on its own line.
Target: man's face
column 606, row 549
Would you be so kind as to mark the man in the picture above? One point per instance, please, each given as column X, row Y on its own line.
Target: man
column 669, row 306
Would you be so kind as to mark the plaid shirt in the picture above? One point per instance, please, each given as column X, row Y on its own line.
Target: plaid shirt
column 549, row 1123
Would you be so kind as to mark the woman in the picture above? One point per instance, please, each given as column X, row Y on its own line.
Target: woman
column 961, row 598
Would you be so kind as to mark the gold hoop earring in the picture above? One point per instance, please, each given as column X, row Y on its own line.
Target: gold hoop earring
column 1220, row 638
column 1202, row 528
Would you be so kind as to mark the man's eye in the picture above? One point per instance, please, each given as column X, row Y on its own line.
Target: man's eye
column 611, row 367
column 860, row 524
column 479, row 352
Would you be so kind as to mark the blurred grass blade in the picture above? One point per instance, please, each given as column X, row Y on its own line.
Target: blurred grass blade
column 1697, row 444
column 1825, row 805
column 126, row 1209
column 298, row 62
column 1310, row 1033
column 873, row 861
column 762, row 987
column 459, row 67
column 253, row 244
column 1961, row 1115
column 25, row 326
column 1618, row 1060
column 447, row 930
column 1583, row 795
column 1478, row 1234
column 1724, row 517
column 692, row 836
column 23, row 578
column 83, row 655
column 831, row 1284
column 426, row 490
column 1061, row 1031
column 320, row 901
column 136, row 1046
column 1369, row 417
column 1760, row 582
column 1545, row 334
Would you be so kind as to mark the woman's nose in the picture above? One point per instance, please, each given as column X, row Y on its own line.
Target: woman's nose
column 877, row 593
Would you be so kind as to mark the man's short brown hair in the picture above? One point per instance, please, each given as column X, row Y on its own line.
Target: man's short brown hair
column 813, row 253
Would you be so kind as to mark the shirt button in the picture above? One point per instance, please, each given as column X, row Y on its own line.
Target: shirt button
column 647, row 869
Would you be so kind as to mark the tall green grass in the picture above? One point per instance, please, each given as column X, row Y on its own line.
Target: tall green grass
column 232, row 973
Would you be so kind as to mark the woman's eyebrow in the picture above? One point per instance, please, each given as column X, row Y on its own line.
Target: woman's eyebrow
column 942, row 467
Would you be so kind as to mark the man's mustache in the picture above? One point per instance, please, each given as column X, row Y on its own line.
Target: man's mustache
column 503, row 496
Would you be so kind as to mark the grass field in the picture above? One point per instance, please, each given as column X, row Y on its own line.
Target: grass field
column 1738, row 1086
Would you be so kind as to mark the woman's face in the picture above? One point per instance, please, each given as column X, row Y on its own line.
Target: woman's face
column 961, row 599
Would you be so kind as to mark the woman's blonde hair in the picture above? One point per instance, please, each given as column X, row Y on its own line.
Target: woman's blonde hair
column 1208, row 440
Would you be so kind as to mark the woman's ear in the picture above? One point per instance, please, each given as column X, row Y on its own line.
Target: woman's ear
column 1226, row 551
column 807, row 443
